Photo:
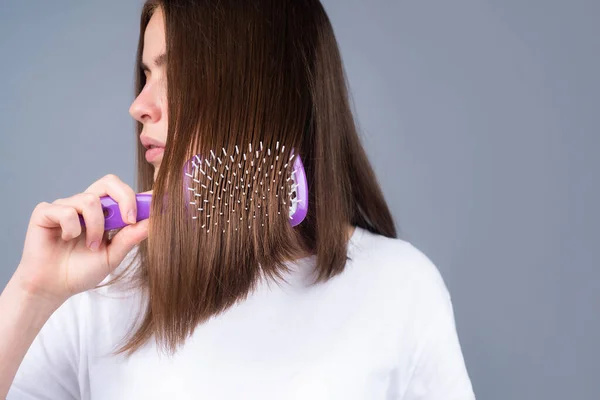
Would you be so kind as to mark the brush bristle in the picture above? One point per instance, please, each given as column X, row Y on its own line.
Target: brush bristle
column 229, row 190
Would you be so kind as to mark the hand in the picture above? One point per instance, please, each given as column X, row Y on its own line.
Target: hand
column 60, row 258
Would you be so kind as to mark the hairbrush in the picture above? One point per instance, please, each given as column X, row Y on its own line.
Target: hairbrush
column 231, row 185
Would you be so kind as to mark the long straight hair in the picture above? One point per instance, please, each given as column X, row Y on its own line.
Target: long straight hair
column 244, row 73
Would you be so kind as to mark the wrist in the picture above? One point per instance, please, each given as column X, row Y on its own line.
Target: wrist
column 29, row 299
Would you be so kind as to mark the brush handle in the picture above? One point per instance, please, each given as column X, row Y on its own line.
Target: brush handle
column 112, row 214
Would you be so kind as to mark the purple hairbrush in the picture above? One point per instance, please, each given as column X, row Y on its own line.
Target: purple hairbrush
column 204, row 176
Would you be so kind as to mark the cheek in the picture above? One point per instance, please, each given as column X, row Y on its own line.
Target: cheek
column 161, row 89
column 163, row 104
column 163, row 127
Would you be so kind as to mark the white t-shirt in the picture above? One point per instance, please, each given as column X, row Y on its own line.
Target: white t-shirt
column 383, row 329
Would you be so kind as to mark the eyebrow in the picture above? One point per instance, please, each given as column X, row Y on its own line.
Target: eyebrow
column 159, row 61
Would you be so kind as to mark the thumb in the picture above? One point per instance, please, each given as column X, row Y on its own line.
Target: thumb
column 122, row 243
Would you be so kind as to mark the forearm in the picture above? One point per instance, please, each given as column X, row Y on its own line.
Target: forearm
column 21, row 318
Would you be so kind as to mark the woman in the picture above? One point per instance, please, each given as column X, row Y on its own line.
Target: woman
column 335, row 308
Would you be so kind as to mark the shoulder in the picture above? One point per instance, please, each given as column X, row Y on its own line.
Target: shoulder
column 399, row 272
column 395, row 260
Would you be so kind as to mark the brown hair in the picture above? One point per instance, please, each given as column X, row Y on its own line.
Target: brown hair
column 244, row 72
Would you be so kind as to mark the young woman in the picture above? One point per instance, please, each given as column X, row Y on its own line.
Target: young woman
column 334, row 308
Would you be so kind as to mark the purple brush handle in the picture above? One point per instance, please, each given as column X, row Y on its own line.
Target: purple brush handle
column 112, row 214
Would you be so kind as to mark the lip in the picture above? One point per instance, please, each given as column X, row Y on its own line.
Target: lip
column 154, row 148
column 147, row 141
column 154, row 154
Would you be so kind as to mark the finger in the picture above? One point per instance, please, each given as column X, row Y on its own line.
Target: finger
column 89, row 206
column 122, row 243
column 120, row 192
column 58, row 216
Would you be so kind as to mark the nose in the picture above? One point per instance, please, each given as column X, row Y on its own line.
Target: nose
column 144, row 108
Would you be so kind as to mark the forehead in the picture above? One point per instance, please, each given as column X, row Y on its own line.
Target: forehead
column 154, row 37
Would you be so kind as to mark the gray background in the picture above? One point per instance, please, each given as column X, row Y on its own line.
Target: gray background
column 481, row 119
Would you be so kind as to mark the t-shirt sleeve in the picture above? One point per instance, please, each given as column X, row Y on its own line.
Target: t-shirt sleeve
column 438, row 371
column 50, row 369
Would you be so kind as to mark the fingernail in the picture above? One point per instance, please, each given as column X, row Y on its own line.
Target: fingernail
column 94, row 246
column 131, row 217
